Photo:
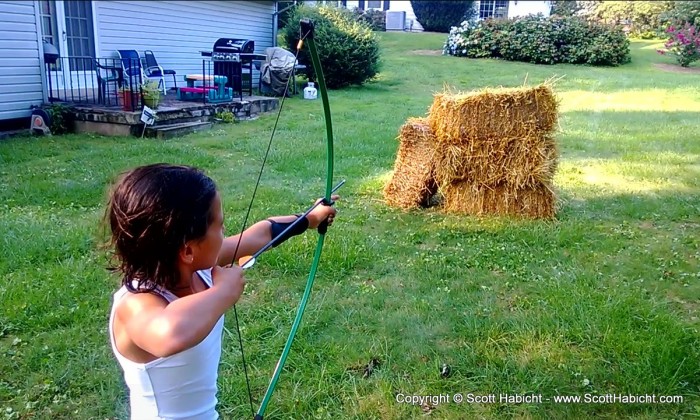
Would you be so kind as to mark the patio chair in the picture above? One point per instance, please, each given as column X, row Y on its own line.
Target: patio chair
column 133, row 72
column 108, row 75
column 155, row 71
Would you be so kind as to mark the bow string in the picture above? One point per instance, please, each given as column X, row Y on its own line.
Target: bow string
column 306, row 35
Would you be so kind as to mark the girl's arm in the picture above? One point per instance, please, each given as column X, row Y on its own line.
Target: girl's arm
column 163, row 329
column 253, row 238
column 256, row 236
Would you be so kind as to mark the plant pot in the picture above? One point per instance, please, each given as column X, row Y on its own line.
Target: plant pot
column 130, row 100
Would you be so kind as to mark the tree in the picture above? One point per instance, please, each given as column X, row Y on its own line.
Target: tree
column 440, row 16
column 286, row 8
column 587, row 7
column 682, row 12
column 641, row 16
column 565, row 8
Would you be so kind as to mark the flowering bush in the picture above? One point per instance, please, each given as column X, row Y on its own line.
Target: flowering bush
column 684, row 43
column 541, row 40
column 475, row 40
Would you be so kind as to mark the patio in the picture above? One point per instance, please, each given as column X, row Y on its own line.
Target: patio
column 173, row 117
column 98, row 93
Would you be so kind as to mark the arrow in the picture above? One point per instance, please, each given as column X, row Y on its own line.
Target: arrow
column 248, row 261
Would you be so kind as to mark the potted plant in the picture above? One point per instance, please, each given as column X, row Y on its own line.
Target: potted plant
column 129, row 99
column 151, row 94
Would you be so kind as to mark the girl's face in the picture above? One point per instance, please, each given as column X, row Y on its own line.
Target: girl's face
column 207, row 249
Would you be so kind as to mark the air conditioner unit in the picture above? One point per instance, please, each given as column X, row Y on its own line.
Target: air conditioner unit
column 395, row 21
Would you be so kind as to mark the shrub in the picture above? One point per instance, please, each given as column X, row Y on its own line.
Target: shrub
column 608, row 48
column 225, row 116
column 533, row 40
column 684, row 43
column 61, row 118
column 440, row 16
column 540, row 40
column 477, row 40
column 374, row 19
column 347, row 48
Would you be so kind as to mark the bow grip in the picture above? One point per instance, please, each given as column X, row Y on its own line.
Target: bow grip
column 323, row 226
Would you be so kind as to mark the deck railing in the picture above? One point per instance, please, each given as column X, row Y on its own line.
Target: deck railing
column 108, row 82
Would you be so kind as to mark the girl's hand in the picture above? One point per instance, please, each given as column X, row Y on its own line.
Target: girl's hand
column 320, row 213
column 229, row 280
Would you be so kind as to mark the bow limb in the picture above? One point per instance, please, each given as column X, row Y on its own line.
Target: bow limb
column 307, row 27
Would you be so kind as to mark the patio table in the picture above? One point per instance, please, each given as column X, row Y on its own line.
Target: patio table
column 217, row 93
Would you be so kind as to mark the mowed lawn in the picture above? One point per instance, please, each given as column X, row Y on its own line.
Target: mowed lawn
column 603, row 300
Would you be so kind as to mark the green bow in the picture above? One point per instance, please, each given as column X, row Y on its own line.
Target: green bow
column 307, row 34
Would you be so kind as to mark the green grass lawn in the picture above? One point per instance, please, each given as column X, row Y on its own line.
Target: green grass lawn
column 604, row 300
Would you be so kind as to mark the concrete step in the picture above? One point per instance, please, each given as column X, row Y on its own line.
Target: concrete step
column 174, row 121
column 163, row 132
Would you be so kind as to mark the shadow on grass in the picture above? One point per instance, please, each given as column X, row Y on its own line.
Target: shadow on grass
column 544, row 305
column 665, row 138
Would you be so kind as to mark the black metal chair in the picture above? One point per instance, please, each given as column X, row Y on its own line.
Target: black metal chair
column 107, row 75
column 153, row 70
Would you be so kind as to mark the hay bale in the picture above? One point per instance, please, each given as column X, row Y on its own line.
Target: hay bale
column 413, row 182
column 479, row 200
column 493, row 113
column 517, row 162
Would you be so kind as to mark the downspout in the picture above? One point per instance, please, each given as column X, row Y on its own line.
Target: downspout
column 274, row 24
column 275, row 17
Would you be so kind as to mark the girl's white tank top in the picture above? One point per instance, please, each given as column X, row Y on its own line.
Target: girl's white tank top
column 181, row 386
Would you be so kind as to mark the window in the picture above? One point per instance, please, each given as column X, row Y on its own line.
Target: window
column 72, row 34
column 49, row 28
column 374, row 5
column 79, row 37
column 496, row 9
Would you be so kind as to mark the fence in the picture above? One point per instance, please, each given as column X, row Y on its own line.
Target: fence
column 108, row 82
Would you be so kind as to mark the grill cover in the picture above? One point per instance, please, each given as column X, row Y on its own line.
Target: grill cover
column 276, row 70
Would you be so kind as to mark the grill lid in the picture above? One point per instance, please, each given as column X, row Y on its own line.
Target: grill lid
column 230, row 45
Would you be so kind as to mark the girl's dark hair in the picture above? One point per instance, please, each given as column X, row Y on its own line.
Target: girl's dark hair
column 152, row 211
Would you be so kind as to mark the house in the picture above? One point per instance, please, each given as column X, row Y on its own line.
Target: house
column 411, row 23
column 513, row 8
column 176, row 31
column 486, row 9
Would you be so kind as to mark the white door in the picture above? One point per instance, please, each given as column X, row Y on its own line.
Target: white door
column 68, row 25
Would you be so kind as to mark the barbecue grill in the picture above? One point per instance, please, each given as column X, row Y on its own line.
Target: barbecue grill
column 233, row 58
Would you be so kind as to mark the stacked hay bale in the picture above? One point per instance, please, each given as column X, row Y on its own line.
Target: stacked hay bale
column 413, row 182
column 491, row 152
column 497, row 151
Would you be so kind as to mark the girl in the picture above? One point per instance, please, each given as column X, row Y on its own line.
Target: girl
column 167, row 230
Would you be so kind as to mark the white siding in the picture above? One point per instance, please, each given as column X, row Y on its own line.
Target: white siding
column 405, row 6
column 395, row 6
column 176, row 31
column 20, row 64
column 524, row 8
